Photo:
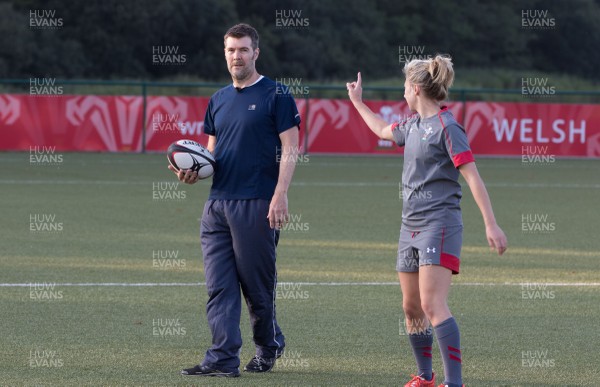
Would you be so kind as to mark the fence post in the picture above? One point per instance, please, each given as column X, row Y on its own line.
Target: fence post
column 306, row 125
column 144, row 95
column 463, row 99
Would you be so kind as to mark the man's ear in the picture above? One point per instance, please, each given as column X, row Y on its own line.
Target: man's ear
column 256, row 53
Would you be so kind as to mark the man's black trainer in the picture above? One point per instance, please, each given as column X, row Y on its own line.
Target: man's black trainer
column 260, row 364
column 200, row 370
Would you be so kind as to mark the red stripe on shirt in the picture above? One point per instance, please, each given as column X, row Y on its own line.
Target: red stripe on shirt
column 462, row 158
column 444, row 108
column 442, row 244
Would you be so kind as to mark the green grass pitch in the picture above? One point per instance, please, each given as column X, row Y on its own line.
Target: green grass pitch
column 529, row 318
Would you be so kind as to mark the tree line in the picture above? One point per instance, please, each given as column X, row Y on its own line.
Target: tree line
column 310, row 39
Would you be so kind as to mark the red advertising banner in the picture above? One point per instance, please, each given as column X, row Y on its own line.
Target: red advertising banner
column 169, row 119
column 336, row 127
column 102, row 123
column 526, row 128
column 70, row 123
column 114, row 124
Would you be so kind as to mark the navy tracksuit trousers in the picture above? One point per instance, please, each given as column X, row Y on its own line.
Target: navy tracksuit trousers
column 239, row 253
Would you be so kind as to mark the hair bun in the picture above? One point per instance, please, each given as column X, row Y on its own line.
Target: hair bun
column 441, row 71
column 435, row 76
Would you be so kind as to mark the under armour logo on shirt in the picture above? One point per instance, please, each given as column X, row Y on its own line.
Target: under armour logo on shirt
column 432, row 250
column 251, row 107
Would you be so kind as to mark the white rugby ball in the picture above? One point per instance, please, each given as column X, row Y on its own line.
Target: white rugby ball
column 188, row 154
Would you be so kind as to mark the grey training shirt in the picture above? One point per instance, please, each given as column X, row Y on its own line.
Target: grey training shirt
column 434, row 148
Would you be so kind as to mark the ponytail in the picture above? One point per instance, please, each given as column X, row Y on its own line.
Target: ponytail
column 433, row 76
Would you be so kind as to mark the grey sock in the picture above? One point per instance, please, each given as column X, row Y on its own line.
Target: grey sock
column 421, row 346
column 448, row 338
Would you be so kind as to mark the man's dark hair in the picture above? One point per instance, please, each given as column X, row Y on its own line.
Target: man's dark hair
column 238, row 31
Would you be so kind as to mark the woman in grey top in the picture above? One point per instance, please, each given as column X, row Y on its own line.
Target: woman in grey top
column 436, row 150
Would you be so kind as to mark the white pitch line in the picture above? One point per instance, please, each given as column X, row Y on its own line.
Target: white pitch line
column 495, row 185
column 84, row 284
column 297, row 183
column 71, row 182
column 83, row 182
column 378, row 161
column 174, row 284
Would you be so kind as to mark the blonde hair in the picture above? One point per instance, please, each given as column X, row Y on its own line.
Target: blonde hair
column 433, row 76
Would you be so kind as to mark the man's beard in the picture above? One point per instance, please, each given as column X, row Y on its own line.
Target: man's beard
column 242, row 75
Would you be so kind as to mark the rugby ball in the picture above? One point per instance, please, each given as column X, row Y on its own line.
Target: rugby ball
column 188, row 154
